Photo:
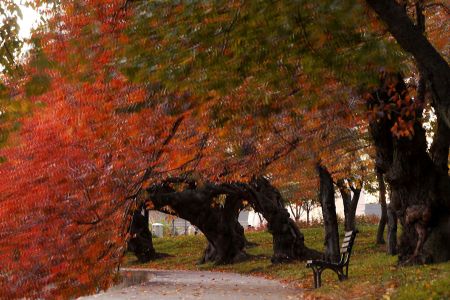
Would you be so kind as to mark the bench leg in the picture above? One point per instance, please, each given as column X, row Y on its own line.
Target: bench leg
column 316, row 272
column 340, row 273
column 319, row 278
column 315, row 280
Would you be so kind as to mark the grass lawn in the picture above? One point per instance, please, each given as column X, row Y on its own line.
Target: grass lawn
column 373, row 274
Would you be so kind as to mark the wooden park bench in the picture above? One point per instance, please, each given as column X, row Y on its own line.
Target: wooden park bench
column 318, row 266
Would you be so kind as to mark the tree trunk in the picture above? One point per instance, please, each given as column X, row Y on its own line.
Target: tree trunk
column 219, row 224
column 326, row 195
column 392, row 231
column 288, row 241
column 351, row 223
column 217, row 246
column 420, row 191
column 350, row 203
column 346, row 196
column 141, row 237
column 382, row 200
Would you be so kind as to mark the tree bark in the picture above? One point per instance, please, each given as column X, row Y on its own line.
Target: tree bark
column 353, row 206
column 346, row 196
column 141, row 237
column 225, row 235
column 326, row 195
column 411, row 39
column 288, row 241
column 420, row 191
column 219, row 224
column 382, row 200
column 391, row 231
column 216, row 250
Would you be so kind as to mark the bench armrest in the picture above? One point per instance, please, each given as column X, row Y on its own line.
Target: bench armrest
column 310, row 263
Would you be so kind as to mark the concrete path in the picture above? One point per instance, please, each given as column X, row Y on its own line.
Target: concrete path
column 162, row 284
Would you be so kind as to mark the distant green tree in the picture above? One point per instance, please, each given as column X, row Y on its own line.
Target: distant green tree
column 10, row 42
column 10, row 46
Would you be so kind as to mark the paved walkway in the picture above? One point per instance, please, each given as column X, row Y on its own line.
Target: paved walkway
column 162, row 284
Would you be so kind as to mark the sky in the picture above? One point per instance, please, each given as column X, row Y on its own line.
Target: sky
column 30, row 19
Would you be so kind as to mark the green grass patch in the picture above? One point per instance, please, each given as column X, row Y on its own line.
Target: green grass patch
column 373, row 274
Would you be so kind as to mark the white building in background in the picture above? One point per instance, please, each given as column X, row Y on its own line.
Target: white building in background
column 367, row 205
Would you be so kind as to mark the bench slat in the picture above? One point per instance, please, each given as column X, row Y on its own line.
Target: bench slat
column 344, row 251
column 347, row 239
column 345, row 245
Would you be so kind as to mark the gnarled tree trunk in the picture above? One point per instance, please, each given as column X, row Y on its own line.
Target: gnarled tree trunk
column 217, row 246
column 141, row 238
column 218, row 223
column 420, row 190
column 288, row 241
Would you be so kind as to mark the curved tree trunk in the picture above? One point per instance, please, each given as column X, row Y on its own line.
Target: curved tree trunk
column 420, row 190
column 326, row 195
column 218, row 245
column 382, row 200
column 218, row 223
column 141, row 237
column 218, row 220
column 288, row 241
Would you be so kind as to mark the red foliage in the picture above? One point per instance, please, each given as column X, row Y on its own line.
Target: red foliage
column 71, row 172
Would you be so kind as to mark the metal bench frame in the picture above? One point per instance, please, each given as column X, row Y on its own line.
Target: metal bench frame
column 340, row 268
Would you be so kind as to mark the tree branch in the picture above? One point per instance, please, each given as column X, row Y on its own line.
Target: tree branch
column 411, row 39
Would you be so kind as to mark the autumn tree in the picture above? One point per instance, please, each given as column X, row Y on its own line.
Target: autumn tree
column 10, row 66
column 71, row 171
column 421, row 206
column 311, row 45
column 10, row 15
column 130, row 94
column 298, row 205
